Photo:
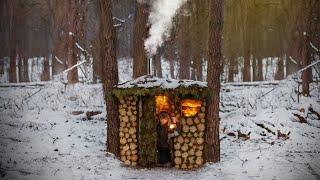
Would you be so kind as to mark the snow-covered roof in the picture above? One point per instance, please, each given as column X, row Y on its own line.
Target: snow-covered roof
column 149, row 81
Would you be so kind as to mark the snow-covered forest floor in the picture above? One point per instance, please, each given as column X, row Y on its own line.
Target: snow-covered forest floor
column 42, row 136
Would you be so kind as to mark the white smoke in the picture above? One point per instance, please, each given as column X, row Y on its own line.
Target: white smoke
column 160, row 19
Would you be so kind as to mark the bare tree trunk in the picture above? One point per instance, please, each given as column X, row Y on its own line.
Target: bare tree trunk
column 305, row 48
column 197, row 64
column 110, row 74
column 157, row 63
column 212, row 145
column 300, row 45
column 25, row 69
column 45, row 76
column 232, row 68
column 140, row 33
column 291, row 66
column 306, row 60
column 81, row 18
column 97, row 68
column 315, row 28
column 60, row 15
column 20, row 68
column 254, row 69
column 171, row 56
column 96, row 54
column 280, row 69
column 260, row 69
column 13, row 51
column 184, row 70
column 295, row 55
column 1, row 67
column 81, row 38
column 123, row 9
column 12, row 68
column 71, row 44
column 246, row 66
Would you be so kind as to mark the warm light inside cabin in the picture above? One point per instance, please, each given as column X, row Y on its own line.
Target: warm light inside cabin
column 172, row 126
column 162, row 104
column 190, row 107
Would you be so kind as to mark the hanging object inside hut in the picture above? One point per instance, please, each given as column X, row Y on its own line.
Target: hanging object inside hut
column 162, row 104
column 166, row 120
column 190, row 107
column 172, row 126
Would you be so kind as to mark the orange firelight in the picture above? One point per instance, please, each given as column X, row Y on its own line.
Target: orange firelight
column 190, row 107
column 172, row 126
column 162, row 104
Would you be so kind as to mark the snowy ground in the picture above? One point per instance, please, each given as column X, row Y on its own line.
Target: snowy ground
column 40, row 138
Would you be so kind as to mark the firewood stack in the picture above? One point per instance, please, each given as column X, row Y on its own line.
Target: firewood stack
column 128, row 131
column 188, row 147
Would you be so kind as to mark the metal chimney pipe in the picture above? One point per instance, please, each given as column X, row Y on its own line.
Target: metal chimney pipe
column 150, row 66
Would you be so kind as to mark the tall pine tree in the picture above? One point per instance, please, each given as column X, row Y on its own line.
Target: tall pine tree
column 110, row 74
column 212, row 146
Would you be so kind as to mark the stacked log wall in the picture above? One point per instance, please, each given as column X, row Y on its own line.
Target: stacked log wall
column 188, row 146
column 128, row 116
column 139, row 148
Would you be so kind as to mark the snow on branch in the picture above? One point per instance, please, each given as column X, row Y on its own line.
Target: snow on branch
column 314, row 47
column 56, row 58
column 310, row 65
column 78, row 46
column 118, row 19
column 121, row 21
column 292, row 60
column 74, row 66
column 84, row 51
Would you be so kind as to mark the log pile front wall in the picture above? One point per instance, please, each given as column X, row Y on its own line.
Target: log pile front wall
column 128, row 116
column 188, row 146
column 138, row 134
